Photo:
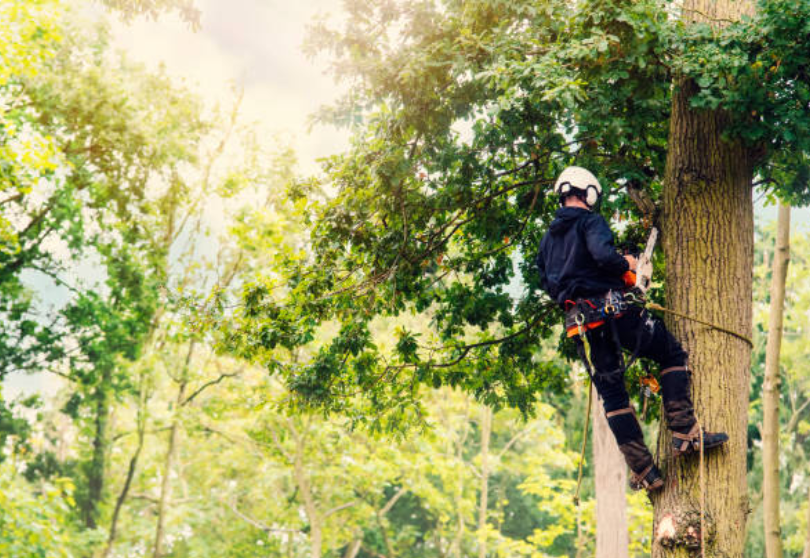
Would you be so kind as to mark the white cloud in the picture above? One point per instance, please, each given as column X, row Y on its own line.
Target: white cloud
column 255, row 44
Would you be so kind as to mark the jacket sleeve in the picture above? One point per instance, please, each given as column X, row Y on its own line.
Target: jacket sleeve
column 599, row 238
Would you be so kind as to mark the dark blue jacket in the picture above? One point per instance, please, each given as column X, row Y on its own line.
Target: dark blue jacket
column 577, row 258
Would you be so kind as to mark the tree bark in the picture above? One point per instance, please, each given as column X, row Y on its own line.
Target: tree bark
column 770, row 388
column 708, row 232
column 610, row 475
column 486, row 432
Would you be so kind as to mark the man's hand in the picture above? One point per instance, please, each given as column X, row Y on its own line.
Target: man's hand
column 633, row 261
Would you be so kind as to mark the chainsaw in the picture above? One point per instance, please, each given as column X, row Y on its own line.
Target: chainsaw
column 644, row 267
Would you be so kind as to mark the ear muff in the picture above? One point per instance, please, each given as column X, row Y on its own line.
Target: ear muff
column 592, row 195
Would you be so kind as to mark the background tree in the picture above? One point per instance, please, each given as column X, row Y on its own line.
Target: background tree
column 770, row 388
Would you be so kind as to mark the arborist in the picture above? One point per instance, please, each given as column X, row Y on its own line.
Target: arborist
column 583, row 272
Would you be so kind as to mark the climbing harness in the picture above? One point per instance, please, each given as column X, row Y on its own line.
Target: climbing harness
column 586, row 314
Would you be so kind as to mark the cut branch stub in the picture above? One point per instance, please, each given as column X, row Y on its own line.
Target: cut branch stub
column 682, row 530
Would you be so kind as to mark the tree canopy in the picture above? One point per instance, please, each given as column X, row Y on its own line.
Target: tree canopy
column 462, row 115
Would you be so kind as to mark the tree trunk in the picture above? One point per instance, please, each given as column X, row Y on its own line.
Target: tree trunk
column 708, row 243
column 806, row 553
column 302, row 482
column 770, row 388
column 486, row 431
column 165, row 485
column 610, row 475
column 97, row 467
column 708, row 237
column 143, row 400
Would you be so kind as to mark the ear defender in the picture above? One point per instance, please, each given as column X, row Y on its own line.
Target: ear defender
column 592, row 195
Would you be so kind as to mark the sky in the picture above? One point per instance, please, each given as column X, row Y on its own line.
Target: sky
column 255, row 44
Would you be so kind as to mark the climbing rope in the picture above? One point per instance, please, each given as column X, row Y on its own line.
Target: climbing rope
column 586, row 357
column 702, row 495
column 654, row 306
column 584, row 442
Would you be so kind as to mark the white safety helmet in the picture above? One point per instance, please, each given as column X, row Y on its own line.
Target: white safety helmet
column 579, row 179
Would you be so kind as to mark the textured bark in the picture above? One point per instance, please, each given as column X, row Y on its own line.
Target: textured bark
column 770, row 388
column 708, row 244
column 610, row 475
column 486, row 431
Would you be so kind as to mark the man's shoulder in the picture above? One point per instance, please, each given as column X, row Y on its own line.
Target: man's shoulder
column 595, row 221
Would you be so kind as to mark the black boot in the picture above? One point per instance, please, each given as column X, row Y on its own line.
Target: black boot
column 649, row 479
column 684, row 444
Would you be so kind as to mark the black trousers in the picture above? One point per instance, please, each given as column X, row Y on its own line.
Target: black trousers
column 638, row 331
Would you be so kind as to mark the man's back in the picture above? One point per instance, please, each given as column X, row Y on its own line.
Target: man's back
column 577, row 257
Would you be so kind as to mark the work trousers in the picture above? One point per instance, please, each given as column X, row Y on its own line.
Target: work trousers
column 641, row 333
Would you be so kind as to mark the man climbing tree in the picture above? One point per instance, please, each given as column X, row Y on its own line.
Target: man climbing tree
column 581, row 270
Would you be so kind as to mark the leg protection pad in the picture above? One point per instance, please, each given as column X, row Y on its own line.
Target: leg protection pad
column 675, row 384
column 636, row 455
column 680, row 415
column 678, row 408
column 624, row 426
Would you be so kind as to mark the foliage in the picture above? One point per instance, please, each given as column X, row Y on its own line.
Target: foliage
column 463, row 115
column 153, row 8
column 34, row 525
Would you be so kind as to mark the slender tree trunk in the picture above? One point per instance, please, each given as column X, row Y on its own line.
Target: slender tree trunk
column 610, row 474
column 133, row 464
column 96, row 470
column 354, row 548
column 302, row 481
column 171, row 452
column 455, row 549
column 770, row 388
column 806, row 553
column 486, row 432
column 708, row 243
